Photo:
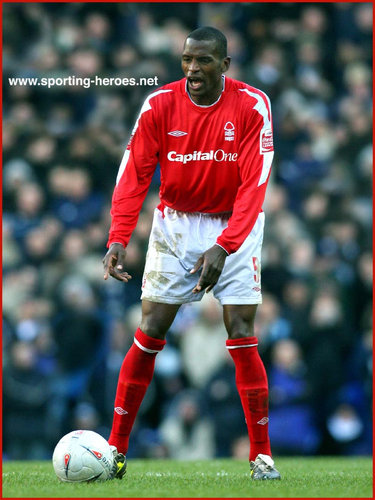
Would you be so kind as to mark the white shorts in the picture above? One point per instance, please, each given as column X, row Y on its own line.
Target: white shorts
column 176, row 242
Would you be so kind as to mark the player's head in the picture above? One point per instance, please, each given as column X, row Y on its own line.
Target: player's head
column 209, row 34
column 204, row 60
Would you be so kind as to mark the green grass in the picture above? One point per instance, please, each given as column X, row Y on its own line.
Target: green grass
column 331, row 477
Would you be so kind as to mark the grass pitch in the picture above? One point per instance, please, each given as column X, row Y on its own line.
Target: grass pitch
column 349, row 477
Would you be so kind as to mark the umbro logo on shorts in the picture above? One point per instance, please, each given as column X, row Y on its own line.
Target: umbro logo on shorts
column 120, row 410
column 177, row 133
column 263, row 421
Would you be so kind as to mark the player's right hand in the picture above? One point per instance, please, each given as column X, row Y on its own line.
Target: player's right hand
column 114, row 261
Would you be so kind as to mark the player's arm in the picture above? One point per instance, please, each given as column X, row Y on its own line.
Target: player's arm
column 132, row 183
column 255, row 159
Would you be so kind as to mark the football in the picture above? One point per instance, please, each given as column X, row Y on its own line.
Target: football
column 82, row 456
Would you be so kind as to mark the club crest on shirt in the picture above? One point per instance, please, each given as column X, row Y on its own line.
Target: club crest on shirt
column 229, row 131
column 266, row 141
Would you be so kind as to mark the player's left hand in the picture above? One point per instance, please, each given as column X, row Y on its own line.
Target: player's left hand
column 212, row 262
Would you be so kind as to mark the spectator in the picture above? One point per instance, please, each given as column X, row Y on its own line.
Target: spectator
column 186, row 431
column 80, row 338
column 292, row 427
column 26, row 395
column 202, row 344
column 225, row 405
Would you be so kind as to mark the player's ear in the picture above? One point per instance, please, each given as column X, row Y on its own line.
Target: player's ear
column 225, row 64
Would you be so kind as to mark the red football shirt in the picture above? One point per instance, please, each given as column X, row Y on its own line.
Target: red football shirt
column 212, row 159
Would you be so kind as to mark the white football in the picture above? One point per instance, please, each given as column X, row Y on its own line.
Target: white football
column 82, row 456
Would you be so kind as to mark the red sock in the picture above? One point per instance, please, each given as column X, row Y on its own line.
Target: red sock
column 135, row 376
column 251, row 381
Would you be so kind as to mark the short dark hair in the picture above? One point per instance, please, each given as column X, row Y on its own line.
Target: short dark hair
column 209, row 33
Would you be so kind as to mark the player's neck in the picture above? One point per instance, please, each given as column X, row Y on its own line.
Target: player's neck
column 208, row 99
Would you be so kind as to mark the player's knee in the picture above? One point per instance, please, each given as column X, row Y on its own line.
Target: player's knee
column 153, row 328
column 238, row 328
column 239, row 320
column 238, row 333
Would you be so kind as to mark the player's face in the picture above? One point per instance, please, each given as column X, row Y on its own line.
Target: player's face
column 203, row 68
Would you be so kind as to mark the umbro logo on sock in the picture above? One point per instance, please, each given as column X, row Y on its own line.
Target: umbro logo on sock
column 120, row 410
column 263, row 421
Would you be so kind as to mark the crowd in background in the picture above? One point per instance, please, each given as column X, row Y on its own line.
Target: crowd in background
column 66, row 330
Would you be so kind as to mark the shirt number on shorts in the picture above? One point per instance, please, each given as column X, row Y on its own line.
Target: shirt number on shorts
column 256, row 269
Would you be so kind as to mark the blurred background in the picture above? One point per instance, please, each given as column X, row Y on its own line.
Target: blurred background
column 66, row 331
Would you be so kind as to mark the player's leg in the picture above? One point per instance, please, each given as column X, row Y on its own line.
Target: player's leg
column 157, row 318
column 166, row 284
column 252, row 385
column 137, row 369
column 251, row 378
column 239, row 291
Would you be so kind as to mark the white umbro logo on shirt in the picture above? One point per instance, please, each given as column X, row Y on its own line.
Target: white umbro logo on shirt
column 263, row 421
column 177, row 133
